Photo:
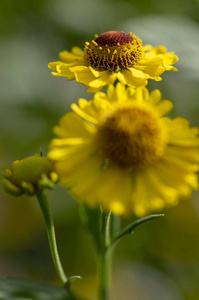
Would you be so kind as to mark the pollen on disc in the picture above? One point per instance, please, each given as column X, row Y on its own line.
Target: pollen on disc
column 113, row 51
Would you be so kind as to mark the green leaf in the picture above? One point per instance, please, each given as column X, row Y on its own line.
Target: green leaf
column 114, row 226
column 130, row 228
column 24, row 289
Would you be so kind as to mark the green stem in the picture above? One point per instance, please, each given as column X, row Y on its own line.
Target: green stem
column 43, row 202
column 104, row 259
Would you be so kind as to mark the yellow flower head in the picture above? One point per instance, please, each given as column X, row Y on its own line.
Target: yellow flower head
column 112, row 56
column 121, row 152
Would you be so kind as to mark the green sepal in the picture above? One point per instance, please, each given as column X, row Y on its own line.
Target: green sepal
column 11, row 188
column 28, row 188
column 130, row 228
column 7, row 173
column 45, row 182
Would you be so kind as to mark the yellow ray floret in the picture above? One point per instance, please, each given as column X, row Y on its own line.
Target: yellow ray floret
column 120, row 151
column 112, row 56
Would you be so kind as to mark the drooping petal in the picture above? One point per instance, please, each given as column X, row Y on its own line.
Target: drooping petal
column 134, row 77
column 83, row 74
column 153, row 67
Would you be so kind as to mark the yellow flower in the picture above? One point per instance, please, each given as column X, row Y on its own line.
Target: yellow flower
column 112, row 56
column 121, row 152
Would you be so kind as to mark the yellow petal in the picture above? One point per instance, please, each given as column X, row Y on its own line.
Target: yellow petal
column 68, row 57
column 153, row 67
column 83, row 75
column 164, row 107
column 53, row 65
column 64, row 70
column 71, row 125
column 135, row 77
column 67, row 142
column 155, row 97
column 120, row 77
column 82, row 114
column 103, row 80
column 93, row 90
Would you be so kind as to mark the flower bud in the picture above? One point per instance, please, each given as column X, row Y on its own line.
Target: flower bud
column 29, row 175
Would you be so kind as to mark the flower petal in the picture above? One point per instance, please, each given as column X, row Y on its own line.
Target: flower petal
column 153, row 67
column 164, row 107
column 135, row 77
column 83, row 75
column 69, row 57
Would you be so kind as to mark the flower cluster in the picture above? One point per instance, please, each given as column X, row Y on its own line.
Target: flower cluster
column 120, row 150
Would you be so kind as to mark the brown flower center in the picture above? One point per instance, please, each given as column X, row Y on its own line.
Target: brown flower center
column 113, row 51
column 112, row 38
column 132, row 138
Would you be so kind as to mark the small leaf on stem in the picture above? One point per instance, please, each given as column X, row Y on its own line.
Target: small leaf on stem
column 130, row 228
column 70, row 280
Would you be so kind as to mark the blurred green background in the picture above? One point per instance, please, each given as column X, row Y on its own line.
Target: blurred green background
column 161, row 260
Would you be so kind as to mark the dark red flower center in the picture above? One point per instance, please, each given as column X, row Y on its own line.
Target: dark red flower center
column 112, row 38
column 113, row 51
